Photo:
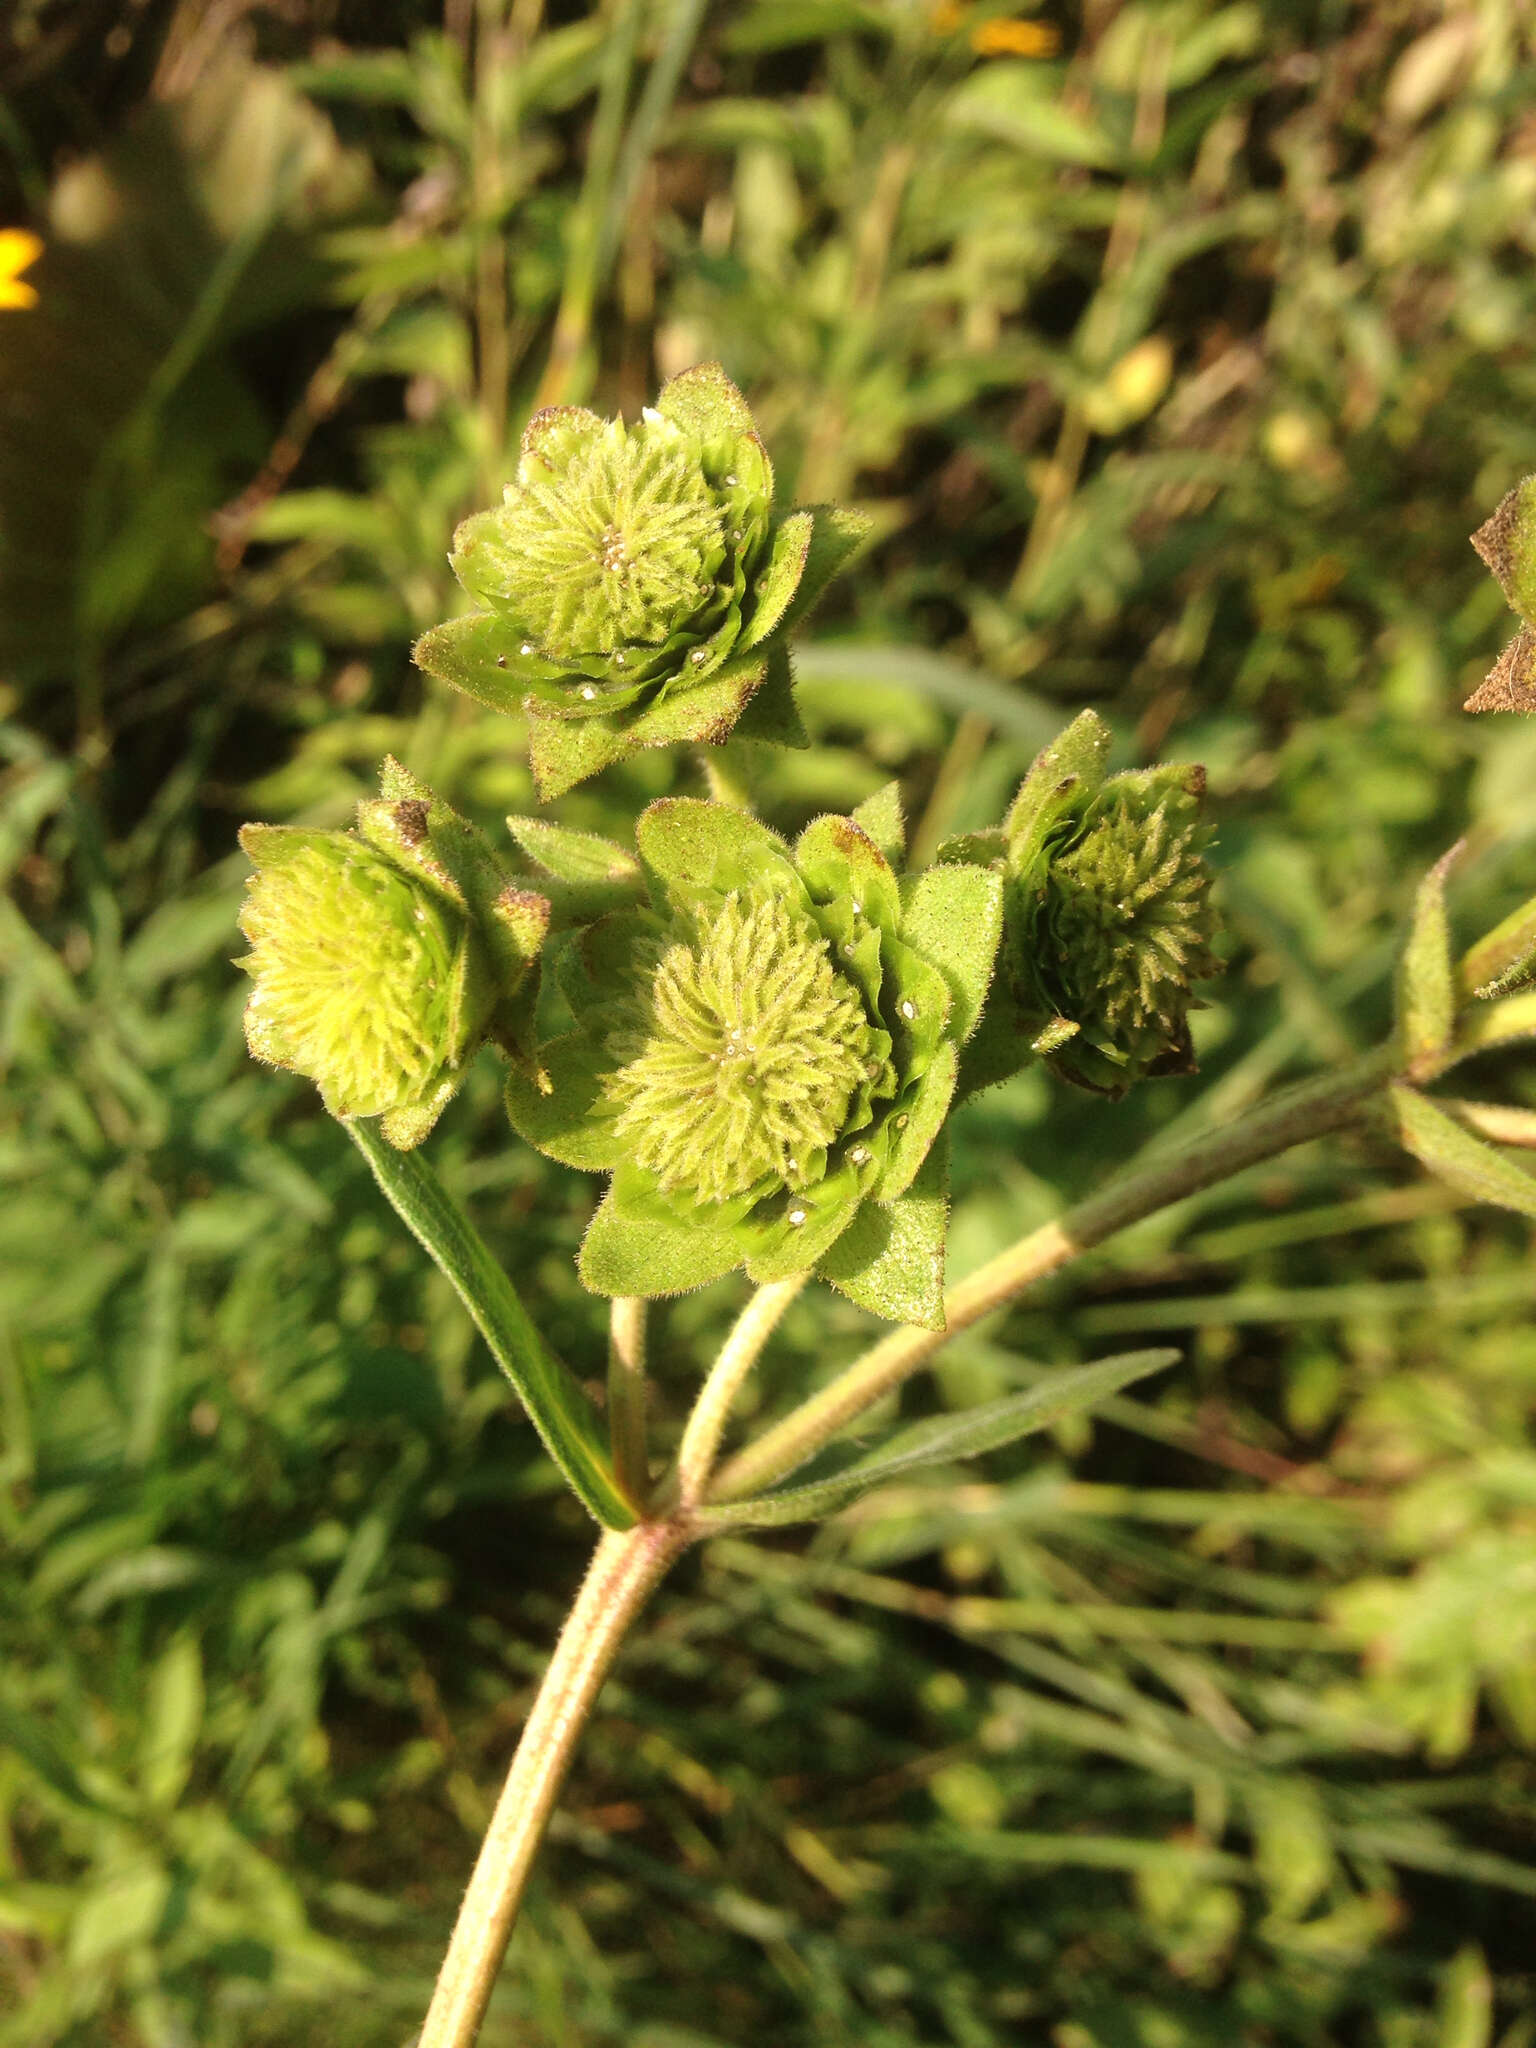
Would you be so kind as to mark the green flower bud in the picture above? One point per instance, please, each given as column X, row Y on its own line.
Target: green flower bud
column 383, row 958
column 635, row 587
column 764, row 1057
column 1108, row 918
column 1507, row 543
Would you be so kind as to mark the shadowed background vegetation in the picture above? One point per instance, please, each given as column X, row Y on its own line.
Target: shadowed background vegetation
column 1175, row 347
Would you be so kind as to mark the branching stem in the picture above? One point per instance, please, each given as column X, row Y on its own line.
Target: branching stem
column 1292, row 1117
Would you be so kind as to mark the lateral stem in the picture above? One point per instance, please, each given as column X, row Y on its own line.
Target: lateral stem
column 739, row 1353
column 1299, row 1113
column 627, row 1398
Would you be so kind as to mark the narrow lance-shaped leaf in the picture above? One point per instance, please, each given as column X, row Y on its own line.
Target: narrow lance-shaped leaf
column 1503, row 961
column 945, row 1439
column 1426, row 985
column 559, row 1410
column 1458, row 1158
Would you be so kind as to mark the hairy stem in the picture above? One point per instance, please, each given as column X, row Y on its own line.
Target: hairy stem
column 625, row 1569
column 626, row 1396
column 1290, row 1119
column 739, row 1353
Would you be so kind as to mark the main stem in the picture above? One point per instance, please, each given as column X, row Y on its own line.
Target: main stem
column 1298, row 1114
column 625, row 1568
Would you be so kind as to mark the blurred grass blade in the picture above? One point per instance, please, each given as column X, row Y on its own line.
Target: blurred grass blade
column 559, row 1410
column 954, row 684
column 943, row 1439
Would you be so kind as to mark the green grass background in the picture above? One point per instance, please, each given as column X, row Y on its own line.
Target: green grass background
column 1175, row 369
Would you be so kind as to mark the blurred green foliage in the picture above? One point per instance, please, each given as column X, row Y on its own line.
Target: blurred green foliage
column 1175, row 371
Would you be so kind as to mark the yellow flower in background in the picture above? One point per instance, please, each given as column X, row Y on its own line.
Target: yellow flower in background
column 1015, row 39
column 19, row 249
column 999, row 38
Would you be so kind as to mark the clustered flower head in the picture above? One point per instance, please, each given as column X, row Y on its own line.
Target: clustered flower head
column 1108, row 919
column 1507, row 543
column 1111, row 921
column 635, row 587
column 758, row 1043
column 763, row 1055
column 384, row 958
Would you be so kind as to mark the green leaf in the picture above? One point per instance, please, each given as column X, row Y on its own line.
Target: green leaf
column 881, row 817
column 628, row 1255
column 836, row 538
column 1459, row 1159
column 1426, row 982
column 891, row 1260
column 916, row 1126
column 702, row 712
column 947, row 1439
column 771, row 713
column 775, row 584
column 475, row 654
column 954, row 918
column 1014, row 102
column 567, row 1119
column 573, row 856
column 684, row 840
column 556, row 1405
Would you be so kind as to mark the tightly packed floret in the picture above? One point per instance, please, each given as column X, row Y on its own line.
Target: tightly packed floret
column 1109, row 911
column 384, row 958
column 1108, row 919
column 763, row 1055
column 635, row 586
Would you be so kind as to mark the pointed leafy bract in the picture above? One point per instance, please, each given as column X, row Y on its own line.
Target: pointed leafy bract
column 954, row 917
column 771, row 715
column 881, row 817
column 1426, row 981
column 947, row 1440
column 623, row 1256
column 684, row 840
column 763, row 1054
column 891, row 1260
column 635, row 586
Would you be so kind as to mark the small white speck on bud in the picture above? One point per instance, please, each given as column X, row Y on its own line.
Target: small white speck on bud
column 797, row 1216
column 698, row 657
column 526, row 648
column 902, row 1121
column 909, row 1010
column 731, row 480
column 860, row 1155
column 588, row 692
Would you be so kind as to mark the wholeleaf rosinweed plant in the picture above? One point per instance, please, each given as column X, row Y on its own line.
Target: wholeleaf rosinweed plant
column 762, row 1042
